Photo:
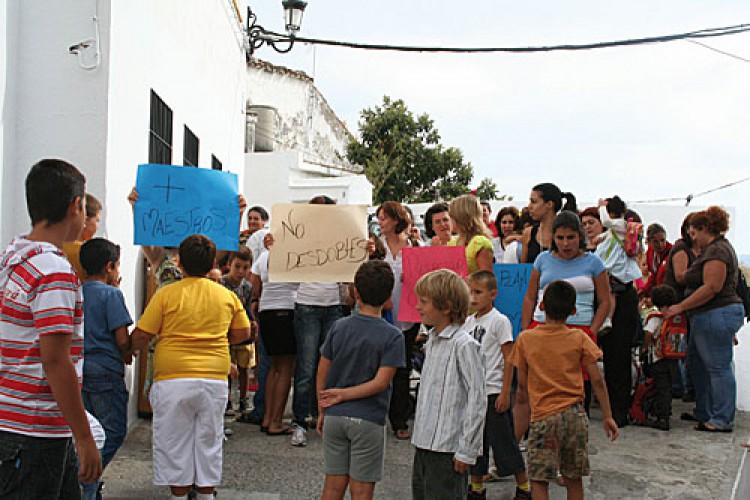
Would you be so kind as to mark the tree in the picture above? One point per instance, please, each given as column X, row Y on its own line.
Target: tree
column 487, row 191
column 403, row 158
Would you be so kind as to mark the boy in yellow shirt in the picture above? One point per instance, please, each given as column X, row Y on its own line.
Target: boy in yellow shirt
column 194, row 321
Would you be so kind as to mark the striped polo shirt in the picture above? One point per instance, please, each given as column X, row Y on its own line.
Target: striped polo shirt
column 40, row 294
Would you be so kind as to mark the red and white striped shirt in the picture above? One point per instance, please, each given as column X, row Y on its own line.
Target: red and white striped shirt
column 40, row 294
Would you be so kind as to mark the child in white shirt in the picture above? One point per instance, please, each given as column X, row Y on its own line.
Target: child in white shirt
column 623, row 269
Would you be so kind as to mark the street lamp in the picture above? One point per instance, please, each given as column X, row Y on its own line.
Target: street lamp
column 259, row 36
column 293, row 10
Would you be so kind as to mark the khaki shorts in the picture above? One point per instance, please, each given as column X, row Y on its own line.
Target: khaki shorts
column 353, row 447
column 243, row 355
column 559, row 443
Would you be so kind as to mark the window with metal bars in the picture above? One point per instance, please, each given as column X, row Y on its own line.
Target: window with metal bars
column 160, row 132
column 190, row 149
column 215, row 163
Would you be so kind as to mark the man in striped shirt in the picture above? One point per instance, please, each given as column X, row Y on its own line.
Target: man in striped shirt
column 41, row 343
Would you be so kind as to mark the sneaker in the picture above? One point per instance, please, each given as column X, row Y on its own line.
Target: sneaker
column 521, row 494
column 228, row 431
column 243, row 405
column 299, row 435
column 477, row 494
column 229, row 412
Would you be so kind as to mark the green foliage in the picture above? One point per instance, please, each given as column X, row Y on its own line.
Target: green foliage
column 403, row 158
column 487, row 191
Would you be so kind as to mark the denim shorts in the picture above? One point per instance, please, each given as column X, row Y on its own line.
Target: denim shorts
column 559, row 442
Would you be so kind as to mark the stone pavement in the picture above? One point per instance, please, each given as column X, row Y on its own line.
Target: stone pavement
column 643, row 463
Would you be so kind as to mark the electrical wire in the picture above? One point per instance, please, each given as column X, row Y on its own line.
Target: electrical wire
column 702, row 33
column 729, row 54
column 687, row 199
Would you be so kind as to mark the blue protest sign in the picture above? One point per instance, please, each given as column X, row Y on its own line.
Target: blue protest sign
column 512, row 282
column 175, row 202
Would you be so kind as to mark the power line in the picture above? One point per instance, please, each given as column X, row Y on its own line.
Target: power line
column 702, row 33
column 687, row 199
column 729, row 54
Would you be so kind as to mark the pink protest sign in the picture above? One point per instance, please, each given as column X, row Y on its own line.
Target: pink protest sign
column 418, row 261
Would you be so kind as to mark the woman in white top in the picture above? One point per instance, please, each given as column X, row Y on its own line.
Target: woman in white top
column 275, row 311
column 317, row 307
column 505, row 222
column 393, row 220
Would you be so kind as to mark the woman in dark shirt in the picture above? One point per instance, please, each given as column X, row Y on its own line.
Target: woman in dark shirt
column 716, row 314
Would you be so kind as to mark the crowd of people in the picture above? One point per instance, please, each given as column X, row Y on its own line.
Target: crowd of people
column 596, row 293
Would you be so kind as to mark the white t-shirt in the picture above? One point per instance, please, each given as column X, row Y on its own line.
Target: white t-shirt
column 319, row 294
column 499, row 251
column 511, row 253
column 397, row 268
column 492, row 331
column 255, row 243
column 273, row 295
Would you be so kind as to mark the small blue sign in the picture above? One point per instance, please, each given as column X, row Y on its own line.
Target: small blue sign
column 512, row 282
column 175, row 202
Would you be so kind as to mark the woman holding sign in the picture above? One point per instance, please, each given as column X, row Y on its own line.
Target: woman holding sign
column 568, row 260
column 466, row 214
column 393, row 220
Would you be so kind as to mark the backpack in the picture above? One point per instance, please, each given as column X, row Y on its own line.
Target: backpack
column 633, row 238
column 632, row 244
column 642, row 408
column 671, row 342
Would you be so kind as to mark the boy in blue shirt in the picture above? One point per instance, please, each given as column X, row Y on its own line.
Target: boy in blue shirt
column 106, row 346
column 358, row 361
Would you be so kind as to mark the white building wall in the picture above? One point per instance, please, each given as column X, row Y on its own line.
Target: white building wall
column 52, row 108
column 284, row 177
column 190, row 52
column 305, row 122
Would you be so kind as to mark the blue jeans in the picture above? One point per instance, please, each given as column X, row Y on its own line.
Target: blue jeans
column 710, row 350
column 106, row 398
column 39, row 468
column 259, row 398
column 311, row 327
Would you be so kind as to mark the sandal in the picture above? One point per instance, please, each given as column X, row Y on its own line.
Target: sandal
column 688, row 417
column 402, row 434
column 704, row 428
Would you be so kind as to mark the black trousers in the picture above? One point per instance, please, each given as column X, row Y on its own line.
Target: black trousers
column 617, row 352
column 401, row 403
column 663, row 372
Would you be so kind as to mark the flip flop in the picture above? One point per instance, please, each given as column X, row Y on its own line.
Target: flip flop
column 688, row 417
column 286, row 432
column 704, row 428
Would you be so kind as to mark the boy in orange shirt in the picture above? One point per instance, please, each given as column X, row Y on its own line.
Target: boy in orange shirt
column 549, row 359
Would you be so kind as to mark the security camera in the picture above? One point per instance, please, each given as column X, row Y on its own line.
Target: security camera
column 80, row 46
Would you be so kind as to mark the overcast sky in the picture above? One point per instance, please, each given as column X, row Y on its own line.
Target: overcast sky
column 645, row 122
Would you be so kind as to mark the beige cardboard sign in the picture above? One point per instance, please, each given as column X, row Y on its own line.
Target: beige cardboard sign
column 317, row 243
